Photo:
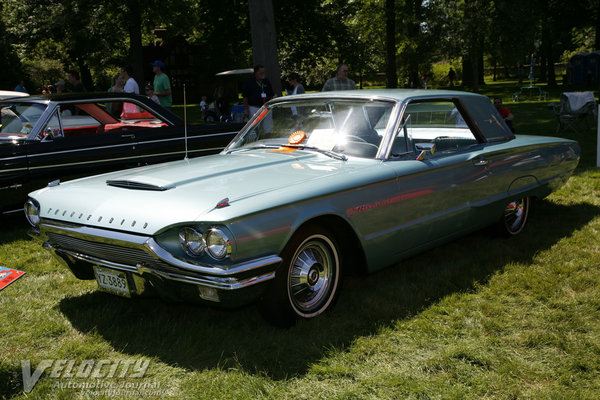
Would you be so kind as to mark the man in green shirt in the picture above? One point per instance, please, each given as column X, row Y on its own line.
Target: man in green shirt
column 162, row 86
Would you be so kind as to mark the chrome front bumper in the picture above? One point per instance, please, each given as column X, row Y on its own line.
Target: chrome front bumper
column 141, row 255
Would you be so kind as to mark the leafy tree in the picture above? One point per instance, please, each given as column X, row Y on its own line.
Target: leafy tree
column 312, row 37
column 10, row 64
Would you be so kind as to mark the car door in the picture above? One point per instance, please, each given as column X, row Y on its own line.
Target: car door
column 13, row 173
column 75, row 144
column 435, row 190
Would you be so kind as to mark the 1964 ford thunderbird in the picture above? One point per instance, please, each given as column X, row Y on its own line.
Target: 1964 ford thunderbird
column 313, row 186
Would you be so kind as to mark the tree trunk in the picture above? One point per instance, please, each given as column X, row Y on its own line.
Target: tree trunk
column 467, row 72
column 543, row 62
column 85, row 75
column 597, row 37
column 391, row 76
column 544, row 49
column 134, row 26
column 475, row 70
column 551, row 71
column 264, row 40
column 480, row 64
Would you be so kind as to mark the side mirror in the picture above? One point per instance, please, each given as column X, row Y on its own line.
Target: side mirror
column 52, row 134
column 424, row 148
column 48, row 136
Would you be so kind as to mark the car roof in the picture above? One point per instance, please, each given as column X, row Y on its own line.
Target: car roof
column 84, row 96
column 5, row 94
column 481, row 109
column 81, row 97
column 394, row 94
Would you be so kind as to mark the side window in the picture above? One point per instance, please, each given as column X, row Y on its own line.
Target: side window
column 52, row 128
column 437, row 122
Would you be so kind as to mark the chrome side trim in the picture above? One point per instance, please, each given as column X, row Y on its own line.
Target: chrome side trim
column 140, row 157
column 136, row 143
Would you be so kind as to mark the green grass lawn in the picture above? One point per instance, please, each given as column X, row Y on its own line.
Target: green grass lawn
column 481, row 317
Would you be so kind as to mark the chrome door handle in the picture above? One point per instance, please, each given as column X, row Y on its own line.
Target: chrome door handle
column 128, row 135
column 480, row 162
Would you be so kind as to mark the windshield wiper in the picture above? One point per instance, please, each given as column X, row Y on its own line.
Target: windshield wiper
column 328, row 153
column 260, row 146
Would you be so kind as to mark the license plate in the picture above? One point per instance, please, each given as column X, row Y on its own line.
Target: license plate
column 112, row 281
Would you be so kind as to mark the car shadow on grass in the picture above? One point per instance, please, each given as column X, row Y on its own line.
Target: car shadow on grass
column 13, row 227
column 198, row 338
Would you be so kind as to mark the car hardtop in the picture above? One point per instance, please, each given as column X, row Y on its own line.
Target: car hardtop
column 83, row 96
column 478, row 111
column 90, row 97
column 404, row 95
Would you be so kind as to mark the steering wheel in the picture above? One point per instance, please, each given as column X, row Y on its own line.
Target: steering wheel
column 354, row 148
column 359, row 139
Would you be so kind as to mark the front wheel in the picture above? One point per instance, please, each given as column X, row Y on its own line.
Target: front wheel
column 308, row 282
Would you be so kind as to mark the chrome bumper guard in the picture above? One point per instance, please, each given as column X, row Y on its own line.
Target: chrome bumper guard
column 143, row 255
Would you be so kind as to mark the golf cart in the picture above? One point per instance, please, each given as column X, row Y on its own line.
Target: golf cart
column 226, row 93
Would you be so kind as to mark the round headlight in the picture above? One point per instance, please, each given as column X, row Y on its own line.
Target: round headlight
column 218, row 244
column 32, row 213
column 192, row 241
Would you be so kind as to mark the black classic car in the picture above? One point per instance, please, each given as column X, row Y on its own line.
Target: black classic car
column 46, row 138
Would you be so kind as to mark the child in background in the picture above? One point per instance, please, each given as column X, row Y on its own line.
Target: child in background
column 150, row 94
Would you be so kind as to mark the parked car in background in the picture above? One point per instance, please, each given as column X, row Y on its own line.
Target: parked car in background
column 314, row 185
column 43, row 139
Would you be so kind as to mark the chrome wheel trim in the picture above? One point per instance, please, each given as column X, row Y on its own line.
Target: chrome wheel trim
column 313, row 275
column 515, row 215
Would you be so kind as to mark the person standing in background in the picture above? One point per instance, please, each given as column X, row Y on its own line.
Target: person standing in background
column 340, row 81
column 21, row 87
column 131, row 85
column 162, row 85
column 451, row 77
column 256, row 91
column 294, row 81
column 60, row 87
column 117, row 86
column 76, row 85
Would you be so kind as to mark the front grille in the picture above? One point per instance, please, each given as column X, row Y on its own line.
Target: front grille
column 109, row 252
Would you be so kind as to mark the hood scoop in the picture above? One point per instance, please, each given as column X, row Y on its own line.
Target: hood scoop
column 126, row 184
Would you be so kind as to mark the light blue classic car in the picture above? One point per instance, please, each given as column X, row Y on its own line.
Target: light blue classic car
column 313, row 186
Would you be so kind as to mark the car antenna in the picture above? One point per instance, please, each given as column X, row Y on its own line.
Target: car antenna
column 185, row 123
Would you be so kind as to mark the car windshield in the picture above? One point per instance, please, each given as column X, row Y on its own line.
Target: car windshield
column 18, row 119
column 340, row 126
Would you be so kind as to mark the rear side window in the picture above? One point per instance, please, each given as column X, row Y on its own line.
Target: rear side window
column 487, row 119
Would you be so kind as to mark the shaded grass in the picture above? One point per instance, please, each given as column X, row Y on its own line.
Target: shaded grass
column 476, row 318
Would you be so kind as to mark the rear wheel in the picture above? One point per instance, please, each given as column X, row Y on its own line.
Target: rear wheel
column 308, row 282
column 515, row 216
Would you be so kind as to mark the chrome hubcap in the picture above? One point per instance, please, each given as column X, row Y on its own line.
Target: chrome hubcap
column 515, row 214
column 311, row 274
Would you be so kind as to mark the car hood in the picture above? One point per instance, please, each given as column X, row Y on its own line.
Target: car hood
column 147, row 199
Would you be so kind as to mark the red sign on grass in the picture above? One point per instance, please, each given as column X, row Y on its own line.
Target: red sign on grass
column 8, row 276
